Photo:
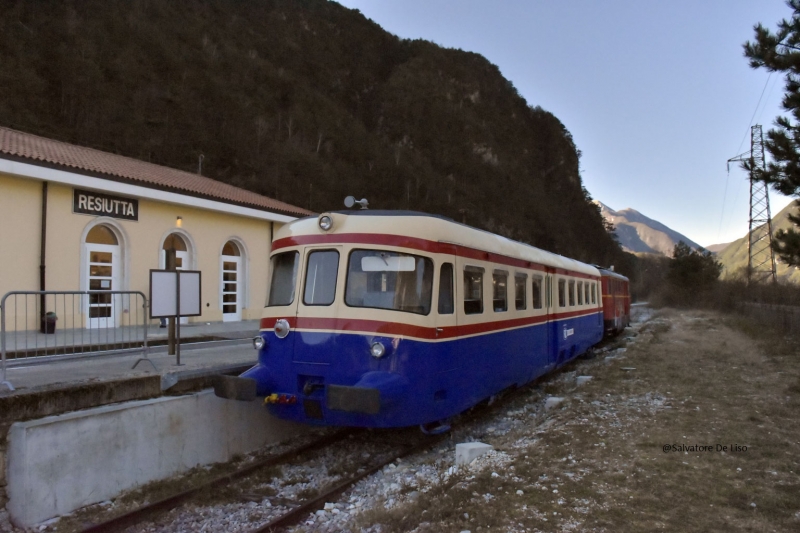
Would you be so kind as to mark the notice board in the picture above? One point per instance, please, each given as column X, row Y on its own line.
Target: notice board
column 165, row 288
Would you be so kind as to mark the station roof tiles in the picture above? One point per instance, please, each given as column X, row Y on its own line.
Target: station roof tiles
column 89, row 161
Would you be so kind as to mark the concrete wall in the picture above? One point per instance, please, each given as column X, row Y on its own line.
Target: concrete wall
column 60, row 463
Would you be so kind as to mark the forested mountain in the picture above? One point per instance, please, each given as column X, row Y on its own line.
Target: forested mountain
column 302, row 100
column 734, row 256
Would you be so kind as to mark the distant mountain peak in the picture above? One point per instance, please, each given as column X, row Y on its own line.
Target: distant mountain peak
column 640, row 234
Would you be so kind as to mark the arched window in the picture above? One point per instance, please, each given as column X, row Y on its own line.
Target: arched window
column 101, row 234
column 177, row 243
column 231, row 248
column 231, row 282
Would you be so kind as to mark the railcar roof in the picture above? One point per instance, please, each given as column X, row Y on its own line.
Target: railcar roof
column 612, row 274
column 434, row 228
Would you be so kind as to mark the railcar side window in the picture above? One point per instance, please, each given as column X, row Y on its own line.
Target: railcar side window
column 594, row 298
column 389, row 280
column 284, row 275
column 562, row 289
column 446, row 305
column 321, row 273
column 520, row 291
column 500, row 290
column 473, row 290
column 571, row 292
column 580, row 293
column 537, row 292
column 586, row 295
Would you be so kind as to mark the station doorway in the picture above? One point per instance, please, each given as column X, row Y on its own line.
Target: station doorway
column 103, row 255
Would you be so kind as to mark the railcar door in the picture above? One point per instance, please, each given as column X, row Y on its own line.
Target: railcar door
column 317, row 341
column 447, row 388
column 552, row 346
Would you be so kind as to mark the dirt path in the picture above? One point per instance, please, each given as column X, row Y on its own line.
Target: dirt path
column 692, row 426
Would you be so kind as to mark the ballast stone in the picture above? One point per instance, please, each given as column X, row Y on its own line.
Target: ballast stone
column 552, row 402
column 582, row 380
column 466, row 452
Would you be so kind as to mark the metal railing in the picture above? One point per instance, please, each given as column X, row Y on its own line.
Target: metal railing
column 44, row 326
column 784, row 317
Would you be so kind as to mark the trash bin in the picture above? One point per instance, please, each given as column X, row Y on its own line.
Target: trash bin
column 49, row 322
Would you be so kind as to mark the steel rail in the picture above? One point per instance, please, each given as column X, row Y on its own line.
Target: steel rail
column 296, row 515
column 144, row 512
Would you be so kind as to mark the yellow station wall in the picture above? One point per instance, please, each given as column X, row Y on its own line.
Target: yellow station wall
column 20, row 233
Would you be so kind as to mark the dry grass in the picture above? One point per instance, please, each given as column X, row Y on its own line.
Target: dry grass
column 598, row 463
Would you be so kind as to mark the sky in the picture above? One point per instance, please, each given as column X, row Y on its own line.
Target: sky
column 657, row 95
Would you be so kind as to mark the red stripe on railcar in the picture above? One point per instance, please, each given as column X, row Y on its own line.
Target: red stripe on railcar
column 420, row 332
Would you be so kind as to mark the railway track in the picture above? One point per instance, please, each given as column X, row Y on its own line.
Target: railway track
column 294, row 516
column 290, row 511
column 145, row 512
column 293, row 512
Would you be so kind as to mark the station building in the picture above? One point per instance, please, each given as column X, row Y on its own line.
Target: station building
column 76, row 219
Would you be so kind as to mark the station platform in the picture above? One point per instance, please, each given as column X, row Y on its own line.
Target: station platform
column 72, row 339
column 207, row 349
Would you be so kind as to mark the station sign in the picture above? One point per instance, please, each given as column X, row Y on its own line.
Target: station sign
column 104, row 205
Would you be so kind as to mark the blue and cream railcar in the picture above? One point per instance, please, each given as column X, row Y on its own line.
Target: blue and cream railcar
column 391, row 318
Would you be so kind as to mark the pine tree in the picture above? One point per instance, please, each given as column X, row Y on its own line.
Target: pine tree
column 692, row 269
column 780, row 52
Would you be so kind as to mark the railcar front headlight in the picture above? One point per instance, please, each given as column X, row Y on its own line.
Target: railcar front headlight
column 282, row 328
column 325, row 222
column 258, row 342
column 377, row 350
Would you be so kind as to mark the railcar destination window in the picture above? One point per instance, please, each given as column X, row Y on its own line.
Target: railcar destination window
column 284, row 275
column 321, row 273
column 500, row 290
column 389, row 280
column 473, row 290
column 520, row 291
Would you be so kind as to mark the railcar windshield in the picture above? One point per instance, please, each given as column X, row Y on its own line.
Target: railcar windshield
column 389, row 280
column 323, row 266
column 284, row 276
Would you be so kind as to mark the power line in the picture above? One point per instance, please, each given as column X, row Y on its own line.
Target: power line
column 747, row 131
column 738, row 150
column 769, row 93
column 724, row 196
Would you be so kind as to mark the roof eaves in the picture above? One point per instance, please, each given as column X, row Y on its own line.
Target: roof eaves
column 119, row 178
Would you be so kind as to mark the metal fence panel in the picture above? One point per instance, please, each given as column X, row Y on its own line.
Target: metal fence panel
column 784, row 317
column 42, row 326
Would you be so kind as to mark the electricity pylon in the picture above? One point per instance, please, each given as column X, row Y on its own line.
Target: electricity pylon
column 760, row 256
